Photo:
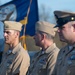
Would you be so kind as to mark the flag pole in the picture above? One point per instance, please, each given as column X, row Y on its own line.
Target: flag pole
column 25, row 23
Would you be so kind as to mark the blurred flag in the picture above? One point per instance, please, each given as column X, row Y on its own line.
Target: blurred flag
column 25, row 11
column 17, row 10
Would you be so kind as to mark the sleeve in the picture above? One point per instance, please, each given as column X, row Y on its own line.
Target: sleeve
column 55, row 69
column 21, row 64
column 51, row 63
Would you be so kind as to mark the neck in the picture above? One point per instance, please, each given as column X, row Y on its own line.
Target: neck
column 72, row 40
column 46, row 45
column 13, row 45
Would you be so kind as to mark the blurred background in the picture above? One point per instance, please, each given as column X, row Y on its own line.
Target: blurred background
column 45, row 13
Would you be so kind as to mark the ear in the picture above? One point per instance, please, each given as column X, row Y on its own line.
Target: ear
column 16, row 34
column 43, row 36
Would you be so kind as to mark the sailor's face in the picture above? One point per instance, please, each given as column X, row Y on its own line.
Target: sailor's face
column 37, row 39
column 9, row 36
column 65, row 32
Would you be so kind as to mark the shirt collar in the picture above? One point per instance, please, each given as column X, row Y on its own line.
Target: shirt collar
column 14, row 50
column 49, row 49
column 70, row 47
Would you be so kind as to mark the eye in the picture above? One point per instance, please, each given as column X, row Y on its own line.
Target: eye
column 7, row 32
column 62, row 27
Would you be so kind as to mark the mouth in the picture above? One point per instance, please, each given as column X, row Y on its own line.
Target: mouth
column 6, row 39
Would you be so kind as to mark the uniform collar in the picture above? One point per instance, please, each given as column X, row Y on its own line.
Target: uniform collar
column 14, row 50
column 70, row 47
column 49, row 49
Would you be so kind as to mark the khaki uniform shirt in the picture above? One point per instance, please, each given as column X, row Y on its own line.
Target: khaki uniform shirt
column 65, row 62
column 15, row 61
column 43, row 62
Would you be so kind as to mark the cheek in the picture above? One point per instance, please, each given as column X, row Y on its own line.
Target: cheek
column 35, row 37
column 64, row 31
column 11, row 37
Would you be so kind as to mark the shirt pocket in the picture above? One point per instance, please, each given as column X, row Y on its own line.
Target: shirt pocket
column 71, row 70
column 42, row 64
column 41, row 67
column 71, row 66
column 9, row 66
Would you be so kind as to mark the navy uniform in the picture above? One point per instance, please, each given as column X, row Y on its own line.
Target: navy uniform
column 16, row 60
column 43, row 61
column 66, row 58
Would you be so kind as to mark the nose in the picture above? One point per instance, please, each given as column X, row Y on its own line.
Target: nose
column 58, row 30
column 5, row 34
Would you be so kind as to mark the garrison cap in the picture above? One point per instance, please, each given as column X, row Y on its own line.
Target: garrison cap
column 12, row 25
column 45, row 27
column 63, row 17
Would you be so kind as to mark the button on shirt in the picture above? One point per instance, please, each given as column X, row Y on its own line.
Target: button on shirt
column 44, row 61
column 15, row 61
column 65, row 62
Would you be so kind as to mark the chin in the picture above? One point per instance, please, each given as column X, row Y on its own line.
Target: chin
column 6, row 42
